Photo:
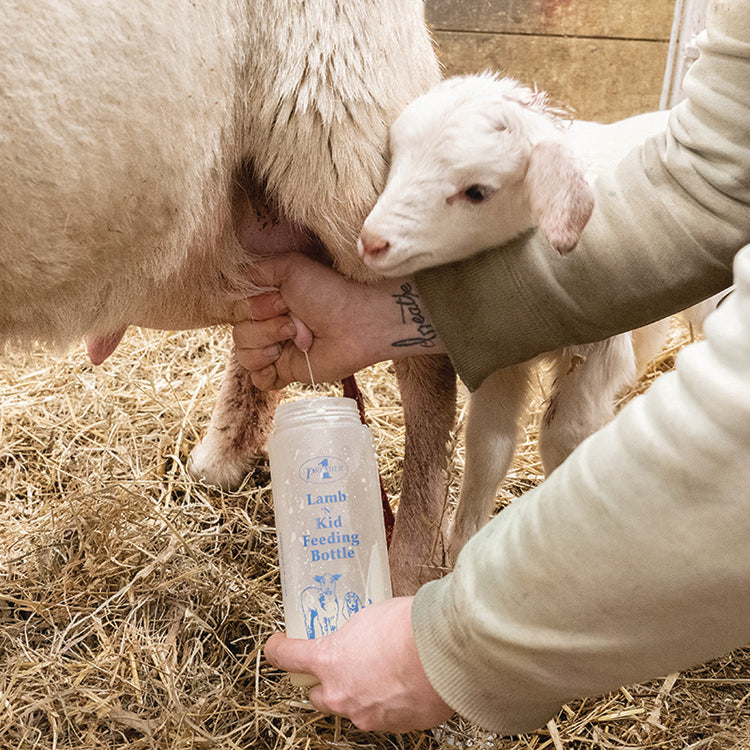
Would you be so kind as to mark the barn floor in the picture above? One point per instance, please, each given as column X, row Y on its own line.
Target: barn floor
column 134, row 603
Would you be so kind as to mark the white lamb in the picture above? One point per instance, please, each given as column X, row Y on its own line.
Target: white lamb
column 476, row 161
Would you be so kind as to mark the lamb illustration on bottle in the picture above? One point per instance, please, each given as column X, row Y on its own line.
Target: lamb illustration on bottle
column 323, row 612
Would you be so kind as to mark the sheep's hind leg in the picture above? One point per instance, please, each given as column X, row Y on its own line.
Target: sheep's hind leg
column 243, row 415
column 428, row 392
column 240, row 424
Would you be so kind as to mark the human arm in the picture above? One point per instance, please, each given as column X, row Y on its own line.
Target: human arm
column 631, row 560
column 665, row 227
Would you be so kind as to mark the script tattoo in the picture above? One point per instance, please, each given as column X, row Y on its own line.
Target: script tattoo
column 411, row 314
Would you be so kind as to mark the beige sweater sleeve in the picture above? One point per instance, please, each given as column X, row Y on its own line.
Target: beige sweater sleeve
column 631, row 561
column 666, row 225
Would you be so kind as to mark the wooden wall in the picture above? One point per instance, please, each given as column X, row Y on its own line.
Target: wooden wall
column 604, row 58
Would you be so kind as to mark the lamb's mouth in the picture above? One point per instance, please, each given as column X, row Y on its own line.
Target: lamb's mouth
column 385, row 265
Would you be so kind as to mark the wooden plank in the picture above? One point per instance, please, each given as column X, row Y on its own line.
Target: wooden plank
column 631, row 19
column 601, row 79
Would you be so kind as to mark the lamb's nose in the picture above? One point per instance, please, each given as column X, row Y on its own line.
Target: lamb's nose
column 373, row 244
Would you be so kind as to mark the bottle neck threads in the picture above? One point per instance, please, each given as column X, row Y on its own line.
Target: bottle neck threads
column 311, row 411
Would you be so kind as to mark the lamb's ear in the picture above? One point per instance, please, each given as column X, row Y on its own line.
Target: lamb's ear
column 561, row 199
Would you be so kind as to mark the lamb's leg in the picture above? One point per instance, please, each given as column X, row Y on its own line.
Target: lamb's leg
column 240, row 424
column 428, row 393
column 648, row 341
column 696, row 315
column 589, row 380
column 491, row 436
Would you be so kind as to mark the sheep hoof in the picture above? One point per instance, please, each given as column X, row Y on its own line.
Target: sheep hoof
column 213, row 467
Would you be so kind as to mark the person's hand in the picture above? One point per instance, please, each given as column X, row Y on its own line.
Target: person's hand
column 368, row 670
column 270, row 338
column 343, row 325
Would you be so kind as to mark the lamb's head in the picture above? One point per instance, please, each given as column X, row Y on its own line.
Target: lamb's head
column 474, row 162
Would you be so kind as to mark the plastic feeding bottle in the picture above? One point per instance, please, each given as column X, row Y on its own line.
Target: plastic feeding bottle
column 329, row 517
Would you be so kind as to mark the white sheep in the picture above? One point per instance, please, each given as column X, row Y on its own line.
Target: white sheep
column 476, row 161
column 151, row 152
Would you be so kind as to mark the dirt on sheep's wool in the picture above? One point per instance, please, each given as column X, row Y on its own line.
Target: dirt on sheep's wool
column 134, row 603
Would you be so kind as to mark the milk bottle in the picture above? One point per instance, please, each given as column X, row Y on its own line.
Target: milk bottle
column 329, row 519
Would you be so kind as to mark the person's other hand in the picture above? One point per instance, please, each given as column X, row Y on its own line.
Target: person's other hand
column 368, row 670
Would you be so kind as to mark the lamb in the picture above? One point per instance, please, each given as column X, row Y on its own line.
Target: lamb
column 152, row 152
column 476, row 161
column 321, row 606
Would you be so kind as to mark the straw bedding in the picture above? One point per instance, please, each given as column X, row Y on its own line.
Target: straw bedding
column 134, row 603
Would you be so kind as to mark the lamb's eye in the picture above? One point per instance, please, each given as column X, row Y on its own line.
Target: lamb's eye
column 478, row 193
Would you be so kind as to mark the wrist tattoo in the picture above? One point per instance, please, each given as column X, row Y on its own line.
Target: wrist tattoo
column 412, row 315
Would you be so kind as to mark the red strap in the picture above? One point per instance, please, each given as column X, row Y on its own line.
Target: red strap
column 351, row 390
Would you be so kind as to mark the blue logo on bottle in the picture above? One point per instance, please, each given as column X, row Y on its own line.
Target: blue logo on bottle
column 323, row 470
column 325, row 608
